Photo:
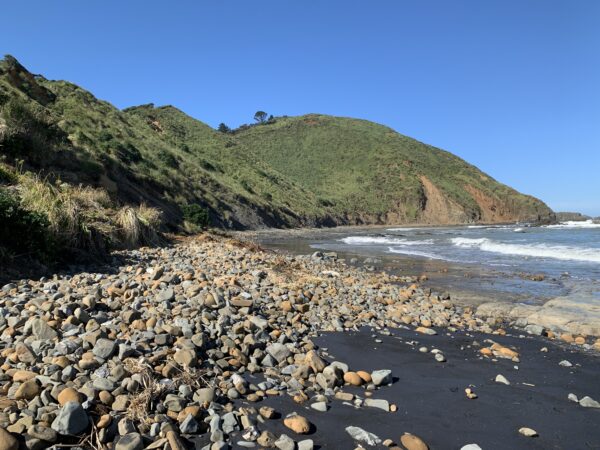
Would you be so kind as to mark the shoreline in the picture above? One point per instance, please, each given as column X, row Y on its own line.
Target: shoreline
column 525, row 301
column 213, row 343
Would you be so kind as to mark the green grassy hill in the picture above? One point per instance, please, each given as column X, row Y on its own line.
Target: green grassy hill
column 368, row 173
column 58, row 139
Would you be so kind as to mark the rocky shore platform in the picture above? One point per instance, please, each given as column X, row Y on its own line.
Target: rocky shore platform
column 213, row 343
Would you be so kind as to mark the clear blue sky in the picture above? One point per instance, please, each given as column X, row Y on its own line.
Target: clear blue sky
column 512, row 86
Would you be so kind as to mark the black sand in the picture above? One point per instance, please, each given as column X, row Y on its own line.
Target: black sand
column 431, row 399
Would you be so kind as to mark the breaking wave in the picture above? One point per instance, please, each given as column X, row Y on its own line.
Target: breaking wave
column 575, row 224
column 533, row 250
column 405, row 251
column 366, row 240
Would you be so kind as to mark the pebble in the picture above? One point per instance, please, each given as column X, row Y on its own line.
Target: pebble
column 130, row 441
column 377, row 403
column 588, row 402
column 412, row 442
column 528, row 432
column 172, row 335
column 297, row 424
column 565, row 363
column 319, row 406
column 502, row 379
column 8, row 441
column 363, row 436
column 381, row 377
column 71, row 420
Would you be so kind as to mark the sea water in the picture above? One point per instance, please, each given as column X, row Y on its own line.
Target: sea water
column 567, row 253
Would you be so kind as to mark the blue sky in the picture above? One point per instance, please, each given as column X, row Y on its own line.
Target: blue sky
column 512, row 86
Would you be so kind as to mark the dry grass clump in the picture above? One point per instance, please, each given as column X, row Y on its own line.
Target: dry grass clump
column 139, row 225
column 152, row 391
column 85, row 219
column 78, row 216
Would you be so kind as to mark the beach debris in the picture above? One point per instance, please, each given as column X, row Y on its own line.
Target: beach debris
column 412, row 442
column 363, row 436
column 502, row 379
column 528, row 432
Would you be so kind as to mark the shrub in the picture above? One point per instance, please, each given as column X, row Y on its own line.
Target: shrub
column 196, row 215
column 23, row 232
column 26, row 131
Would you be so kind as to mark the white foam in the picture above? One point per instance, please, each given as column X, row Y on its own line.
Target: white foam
column 405, row 251
column 575, row 224
column 369, row 240
column 534, row 250
column 401, row 229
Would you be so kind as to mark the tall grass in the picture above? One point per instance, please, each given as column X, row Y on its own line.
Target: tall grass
column 82, row 219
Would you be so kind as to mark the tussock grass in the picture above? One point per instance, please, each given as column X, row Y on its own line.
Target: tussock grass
column 82, row 219
column 139, row 226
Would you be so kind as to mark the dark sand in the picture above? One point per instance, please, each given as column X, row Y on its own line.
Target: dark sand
column 431, row 399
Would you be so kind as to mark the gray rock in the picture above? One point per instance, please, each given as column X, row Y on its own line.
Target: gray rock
column 279, row 351
column 285, row 443
column 189, row 425
column 534, row 329
column 71, row 419
column 306, row 444
column 167, row 295
column 204, row 395
column 131, row 441
column 42, row 433
column 381, row 377
column 319, row 406
column 377, row 403
column 104, row 348
column 363, row 436
column 42, row 331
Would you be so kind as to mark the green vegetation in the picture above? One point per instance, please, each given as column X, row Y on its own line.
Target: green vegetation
column 22, row 232
column 105, row 178
column 196, row 215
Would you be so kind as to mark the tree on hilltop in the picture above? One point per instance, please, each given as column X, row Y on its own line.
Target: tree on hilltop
column 224, row 128
column 260, row 116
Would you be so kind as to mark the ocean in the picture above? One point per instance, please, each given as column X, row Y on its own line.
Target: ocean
column 529, row 264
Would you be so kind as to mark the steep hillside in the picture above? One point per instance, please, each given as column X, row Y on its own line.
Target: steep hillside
column 303, row 171
column 368, row 173
column 158, row 156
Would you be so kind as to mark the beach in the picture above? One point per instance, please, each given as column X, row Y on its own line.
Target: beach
column 217, row 343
